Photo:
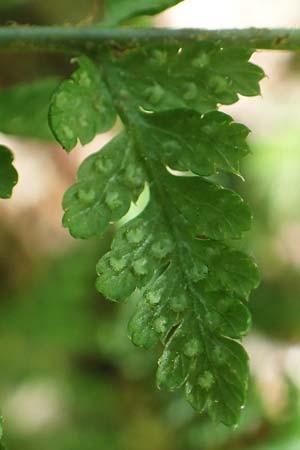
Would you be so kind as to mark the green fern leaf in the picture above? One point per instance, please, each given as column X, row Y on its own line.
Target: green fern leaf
column 81, row 107
column 177, row 254
column 190, row 293
column 8, row 174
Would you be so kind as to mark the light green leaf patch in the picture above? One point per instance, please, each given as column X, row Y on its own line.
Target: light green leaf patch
column 8, row 174
column 81, row 107
column 117, row 12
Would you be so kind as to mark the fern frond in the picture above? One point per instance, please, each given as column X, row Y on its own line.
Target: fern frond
column 177, row 254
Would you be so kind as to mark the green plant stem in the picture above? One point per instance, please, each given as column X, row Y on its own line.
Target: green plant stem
column 78, row 39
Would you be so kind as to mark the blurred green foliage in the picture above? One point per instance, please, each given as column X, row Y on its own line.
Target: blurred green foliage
column 273, row 189
column 39, row 12
column 24, row 109
column 27, row 67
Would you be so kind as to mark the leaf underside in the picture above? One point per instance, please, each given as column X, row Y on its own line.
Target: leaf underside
column 8, row 174
column 177, row 254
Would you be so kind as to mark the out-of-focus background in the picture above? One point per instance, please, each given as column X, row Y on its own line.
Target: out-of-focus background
column 70, row 378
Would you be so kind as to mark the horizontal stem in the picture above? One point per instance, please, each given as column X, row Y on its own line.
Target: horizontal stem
column 78, row 39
